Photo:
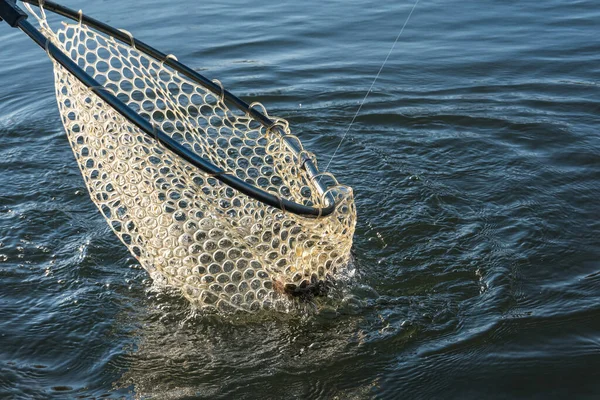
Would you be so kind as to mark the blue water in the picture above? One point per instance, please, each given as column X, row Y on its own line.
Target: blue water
column 476, row 167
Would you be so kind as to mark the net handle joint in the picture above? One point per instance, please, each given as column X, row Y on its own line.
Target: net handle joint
column 10, row 13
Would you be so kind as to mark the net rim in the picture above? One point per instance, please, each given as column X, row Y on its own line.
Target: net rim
column 214, row 86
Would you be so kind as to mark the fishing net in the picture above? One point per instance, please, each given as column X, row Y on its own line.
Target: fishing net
column 224, row 250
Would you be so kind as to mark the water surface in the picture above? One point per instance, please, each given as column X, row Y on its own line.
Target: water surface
column 476, row 167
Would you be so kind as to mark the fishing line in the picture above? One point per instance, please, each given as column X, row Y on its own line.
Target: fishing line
column 372, row 84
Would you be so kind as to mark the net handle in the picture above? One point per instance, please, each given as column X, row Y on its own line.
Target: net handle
column 133, row 117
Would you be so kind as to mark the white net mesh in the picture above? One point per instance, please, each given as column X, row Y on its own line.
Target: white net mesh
column 223, row 249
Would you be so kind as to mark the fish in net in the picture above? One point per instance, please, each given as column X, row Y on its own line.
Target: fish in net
column 225, row 248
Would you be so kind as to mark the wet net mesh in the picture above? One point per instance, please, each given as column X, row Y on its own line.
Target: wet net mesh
column 223, row 249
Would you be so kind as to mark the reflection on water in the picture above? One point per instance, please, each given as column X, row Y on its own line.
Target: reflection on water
column 178, row 353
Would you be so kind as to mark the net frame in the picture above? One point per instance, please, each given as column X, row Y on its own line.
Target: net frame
column 252, row 110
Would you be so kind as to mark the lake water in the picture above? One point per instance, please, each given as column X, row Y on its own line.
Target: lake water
column 475, row 163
